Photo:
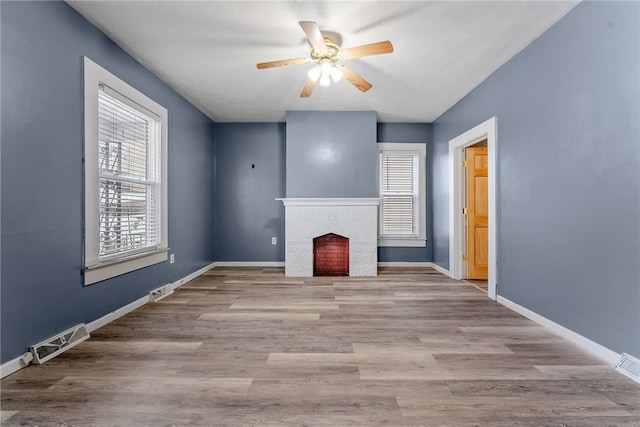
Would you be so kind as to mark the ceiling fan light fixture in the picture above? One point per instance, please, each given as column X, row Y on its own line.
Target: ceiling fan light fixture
column 336, row 75
column 326, row 67
column 314, row 73
column 325, row 80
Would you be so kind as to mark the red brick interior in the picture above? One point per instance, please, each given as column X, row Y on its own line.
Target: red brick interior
column 331, row 255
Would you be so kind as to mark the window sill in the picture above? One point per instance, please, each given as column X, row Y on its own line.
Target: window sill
column 102, row 272
column 407, row 243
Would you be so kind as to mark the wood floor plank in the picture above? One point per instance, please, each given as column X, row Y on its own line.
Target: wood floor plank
column 576, row 406
column 141, row 347
column 467, row 348
column 5, row 415
column 155, row 385
column 280, row 306
column 347, row 387
column 260, row 316
column 511, row 334
column 251, row 347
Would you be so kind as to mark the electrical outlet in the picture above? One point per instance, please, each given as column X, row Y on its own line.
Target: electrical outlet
column 274, row 241
column 172, row 258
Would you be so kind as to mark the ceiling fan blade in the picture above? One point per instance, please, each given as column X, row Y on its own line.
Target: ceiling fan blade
column 355, row 79
column 368, row 50
column 272, row 64
column 314, row 35
column 308, row 88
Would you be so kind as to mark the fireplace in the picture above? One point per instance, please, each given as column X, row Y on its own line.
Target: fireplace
column 331, row 255
column 355, row 219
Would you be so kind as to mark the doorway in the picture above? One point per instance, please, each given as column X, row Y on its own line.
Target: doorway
column 476, row 212
column 457, row 201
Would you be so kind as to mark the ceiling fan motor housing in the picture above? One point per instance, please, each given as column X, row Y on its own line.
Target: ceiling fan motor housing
column 331, row 52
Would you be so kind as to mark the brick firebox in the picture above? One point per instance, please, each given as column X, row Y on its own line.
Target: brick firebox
column 331, row 255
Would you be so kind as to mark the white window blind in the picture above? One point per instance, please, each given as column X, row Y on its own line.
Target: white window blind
column 129, row 173
column 399, row 193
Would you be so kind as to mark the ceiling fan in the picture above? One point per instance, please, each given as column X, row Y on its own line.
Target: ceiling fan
column 326, row 54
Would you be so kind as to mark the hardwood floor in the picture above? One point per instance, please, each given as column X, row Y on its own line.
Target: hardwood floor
column 480, row 284
column 243, row 347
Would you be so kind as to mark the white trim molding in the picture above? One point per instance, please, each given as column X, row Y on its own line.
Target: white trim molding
column 425, row 264
column 320, row 201
column 421, row 264
column 486, row 130
column 15, row 365
column 116, row 314
column 11, row 366
column 595, row 349
column 175, row 285
column 110, row 317
column 416, row 148
column 441, row 270
column 249, row 264
column 96, row 266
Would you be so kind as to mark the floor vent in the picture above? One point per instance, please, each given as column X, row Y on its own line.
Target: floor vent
column 630, row 366
column 55, row 345
column 162, row 292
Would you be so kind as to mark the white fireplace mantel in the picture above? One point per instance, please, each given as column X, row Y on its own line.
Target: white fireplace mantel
column 313, row 201
column 353, row 218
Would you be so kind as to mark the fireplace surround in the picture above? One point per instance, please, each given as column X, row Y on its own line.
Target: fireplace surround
column 353, row 218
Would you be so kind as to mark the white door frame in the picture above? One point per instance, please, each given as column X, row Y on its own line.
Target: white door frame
column 486, row 130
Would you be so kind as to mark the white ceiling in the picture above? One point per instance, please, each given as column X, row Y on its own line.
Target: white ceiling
column 207, row 50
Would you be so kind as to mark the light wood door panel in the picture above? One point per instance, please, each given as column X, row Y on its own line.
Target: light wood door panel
column 477, row 213
column 481, row 252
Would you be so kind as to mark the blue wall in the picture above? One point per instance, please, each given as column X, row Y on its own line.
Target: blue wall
column 42, row 289
column 250, row 166
column 247, row 214
column 331, row 154
column 410, row 132
column 568, row 113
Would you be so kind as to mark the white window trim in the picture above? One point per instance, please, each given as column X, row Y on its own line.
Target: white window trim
column 94, row 270
column 421, row 148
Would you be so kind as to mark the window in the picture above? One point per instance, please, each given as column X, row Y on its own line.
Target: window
column 125, row 177
column 402, row 189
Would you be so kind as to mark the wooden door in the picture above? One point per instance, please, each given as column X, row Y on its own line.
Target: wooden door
column 477, row 212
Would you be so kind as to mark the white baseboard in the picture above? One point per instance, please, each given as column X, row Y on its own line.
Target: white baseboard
column 192, row 276
column 595, row 349
column 110, row 317
column 281, row 264
column 405, row 264
column 441, row 270
column 10, row 367
column 248, row 264
column 417, row 264
column 14, row 365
